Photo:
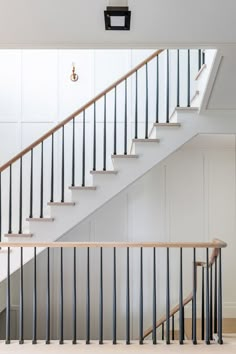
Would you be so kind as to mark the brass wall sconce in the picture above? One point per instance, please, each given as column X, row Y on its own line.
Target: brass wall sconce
column 74, row 77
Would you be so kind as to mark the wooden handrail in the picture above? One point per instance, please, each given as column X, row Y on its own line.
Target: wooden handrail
column 214, row 244
column 80, row 110
column 189, row 298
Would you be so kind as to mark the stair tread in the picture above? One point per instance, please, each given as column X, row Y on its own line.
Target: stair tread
column 40, row 219
column 146, row 140
column 167, row 124
column 19, row 235
column 187, row 109
column 128, row 156
column 61, row 203
column 83, row 188
column 107, row 172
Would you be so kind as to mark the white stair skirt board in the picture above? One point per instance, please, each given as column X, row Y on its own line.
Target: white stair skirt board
column 120, row 347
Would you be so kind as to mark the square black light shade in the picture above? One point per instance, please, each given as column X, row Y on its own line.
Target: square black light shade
column 117, row 18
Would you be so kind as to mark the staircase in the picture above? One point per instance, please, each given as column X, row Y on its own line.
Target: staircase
column 64, row 176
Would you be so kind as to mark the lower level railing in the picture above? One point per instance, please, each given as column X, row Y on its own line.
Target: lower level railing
column 111, row 291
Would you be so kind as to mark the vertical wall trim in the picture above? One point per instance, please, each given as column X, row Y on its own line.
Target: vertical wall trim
column 167, row 212
column 206, row 206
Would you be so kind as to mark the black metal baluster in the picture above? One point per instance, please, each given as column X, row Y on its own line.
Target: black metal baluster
column 94, row 136
column 125, row 121
column 88, row 300
column 41, row 183
column 21, row 314
column 167, row 296
column 157, row 91
column 203, row 57
column 127, row 301
column 48, row 316
column 203, row 305
column 34, row 336
column 101, row 300
column 20, row 199
column 173, row 327
column 178, row 81
column 167, row 86
column 61, row 339
column 215, row 297
column 211, row 305
column 105, row 133
column 73, row 154
column 63, row 165
column 181, row 314
column 194, row 304
column 74, row 341
column 114, row 296
column 207, row 299
column 8, row 300
column 115, row 121
column 154, row 309
column 146, row 120
column 220, row 339
column 31, row 182
column 136, row 106
column 199, row 59
column 141, row 299
column 52, row 170
column 162, row 331
column 188, row 80
column 83, row 152
column 10, row 200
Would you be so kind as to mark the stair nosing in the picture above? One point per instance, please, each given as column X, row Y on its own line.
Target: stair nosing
column 40, row 219
column 146, row 140
column 128, row 156
column 61, row 203
column 101, row 172
column 19, row 235
column 167, row 124
column 81, row 188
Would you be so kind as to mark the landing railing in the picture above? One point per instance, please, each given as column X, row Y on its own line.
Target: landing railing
column 109, row 271
column 63, row 157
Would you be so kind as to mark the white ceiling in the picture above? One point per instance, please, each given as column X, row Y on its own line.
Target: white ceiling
column 154, row 24
column 80, row 23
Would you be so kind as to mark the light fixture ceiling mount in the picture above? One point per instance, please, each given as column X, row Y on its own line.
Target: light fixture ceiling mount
column 117, row 18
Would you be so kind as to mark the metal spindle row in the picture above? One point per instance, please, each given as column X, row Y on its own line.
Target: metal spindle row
column 213, row 323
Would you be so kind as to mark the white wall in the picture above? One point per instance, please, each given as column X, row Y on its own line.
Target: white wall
column 188, row 197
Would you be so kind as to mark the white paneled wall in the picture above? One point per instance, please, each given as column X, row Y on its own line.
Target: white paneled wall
column 188, row 197
column 35, row 88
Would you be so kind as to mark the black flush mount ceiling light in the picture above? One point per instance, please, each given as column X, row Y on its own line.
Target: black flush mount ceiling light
column 117, row 18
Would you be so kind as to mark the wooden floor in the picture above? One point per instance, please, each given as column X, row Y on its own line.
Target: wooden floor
column 229, row 346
